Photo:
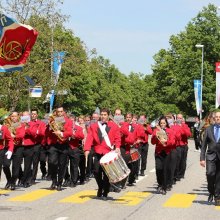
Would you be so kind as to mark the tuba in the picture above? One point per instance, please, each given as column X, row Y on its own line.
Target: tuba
column 161, row 136
column 56, row 124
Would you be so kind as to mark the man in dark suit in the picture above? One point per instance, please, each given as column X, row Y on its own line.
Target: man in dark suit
column 211, row 158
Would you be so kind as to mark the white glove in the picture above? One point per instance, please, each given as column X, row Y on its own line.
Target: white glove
column 9, row 154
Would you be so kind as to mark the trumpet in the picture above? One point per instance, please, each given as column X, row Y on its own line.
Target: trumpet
column 55, row 126
column 162, row 136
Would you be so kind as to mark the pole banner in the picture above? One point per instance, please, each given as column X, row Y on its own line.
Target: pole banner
column 217, row 69
column 197, row 90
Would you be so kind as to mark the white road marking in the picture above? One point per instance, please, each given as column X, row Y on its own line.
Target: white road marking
column 62, row 218
column 152, row 171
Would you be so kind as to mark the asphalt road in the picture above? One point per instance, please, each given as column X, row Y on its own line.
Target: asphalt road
column 187, row 200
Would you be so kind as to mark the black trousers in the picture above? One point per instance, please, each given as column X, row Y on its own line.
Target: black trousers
column 5, row 163
column 100, row 176
column 57, row 160
column 132, row 166
column 21, row 152
column 143, row 150
column 172, row 167
column 43, row 161
column 162, row 168
column 182, row 152
column 36, row 159
column 90, row 163
column 74, row 157
column 213, row 177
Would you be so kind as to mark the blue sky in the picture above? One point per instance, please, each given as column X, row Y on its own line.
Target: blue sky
column 127, row 32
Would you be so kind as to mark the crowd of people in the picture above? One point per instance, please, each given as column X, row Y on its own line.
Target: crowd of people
column 69, row 149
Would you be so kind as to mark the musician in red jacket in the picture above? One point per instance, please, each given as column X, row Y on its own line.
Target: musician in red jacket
column 162, row 152
column 96, row 139
column 17, row 132
column 182, row 146
column 74, row 153
column 6, row 150
column 57, row 134
column 129, row 132
column 39, row 127
column 143, row 148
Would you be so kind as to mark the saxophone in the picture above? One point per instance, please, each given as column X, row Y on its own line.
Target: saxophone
column 56, row 125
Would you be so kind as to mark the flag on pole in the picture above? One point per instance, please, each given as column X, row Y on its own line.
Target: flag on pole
column 16, row 42
column 217, row 69
column 197, row 90
column 57, row 62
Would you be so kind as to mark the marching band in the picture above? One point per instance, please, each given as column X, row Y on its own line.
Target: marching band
column 112, row 149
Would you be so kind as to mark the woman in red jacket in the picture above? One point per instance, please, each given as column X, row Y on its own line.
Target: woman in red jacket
column 164, row 145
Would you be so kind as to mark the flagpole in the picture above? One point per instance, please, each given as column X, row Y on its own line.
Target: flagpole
column 52, row 58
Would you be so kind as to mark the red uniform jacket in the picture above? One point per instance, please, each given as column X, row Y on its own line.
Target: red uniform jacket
column 146, row 132
column 19, row 136
column 170, row 141
column 128, row 138
column 77, row 135
column 94, row 137
column 184, row 132
column 39, row 128
column 6, row 140
column 51, row 138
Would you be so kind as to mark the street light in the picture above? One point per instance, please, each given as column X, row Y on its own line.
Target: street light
column 201, row 46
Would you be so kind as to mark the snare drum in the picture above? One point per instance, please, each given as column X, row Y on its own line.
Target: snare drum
column 114, row 167
column 135, row 155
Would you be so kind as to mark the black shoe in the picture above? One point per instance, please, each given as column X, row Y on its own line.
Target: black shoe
column 210, row 198
column 105, row 194
column 48, row 178
column 159, row 189
column 82, row 182
column 7, row 186
column 43, row 177
column 59, row 188
column 33, row 182
column 130, row 184
column 72, row 185
column 142, row 173
column 26, row 185
column 53, row 186
column 169, row 188
column 104, row 198
column 99, row 193
column 13, row 186
column 66, row 183
column 20, row 183
column 163, row 192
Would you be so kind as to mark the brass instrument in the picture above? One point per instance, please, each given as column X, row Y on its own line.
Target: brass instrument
column 161, row 136
column 117, row 119
column 56, row 124
column 12, row 126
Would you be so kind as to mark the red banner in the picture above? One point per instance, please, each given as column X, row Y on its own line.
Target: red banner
column 16, row 42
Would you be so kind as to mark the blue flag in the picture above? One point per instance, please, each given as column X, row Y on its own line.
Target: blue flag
column 57, row 62
column 198, row 97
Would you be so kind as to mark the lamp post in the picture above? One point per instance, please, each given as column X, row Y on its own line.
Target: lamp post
column 201, row 46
